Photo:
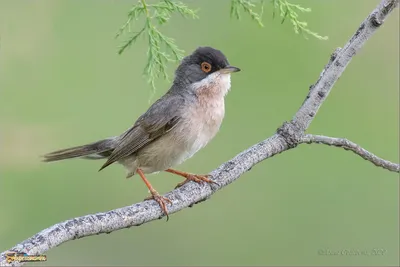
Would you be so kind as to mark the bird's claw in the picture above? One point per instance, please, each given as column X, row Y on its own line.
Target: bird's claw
column 162, row 202
column 197, row 178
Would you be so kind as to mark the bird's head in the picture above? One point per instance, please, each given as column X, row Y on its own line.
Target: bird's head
column 206, row 67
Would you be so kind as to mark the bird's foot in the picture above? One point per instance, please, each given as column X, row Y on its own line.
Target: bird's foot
column 196, row 178
column 192, row 177
column 162, row 201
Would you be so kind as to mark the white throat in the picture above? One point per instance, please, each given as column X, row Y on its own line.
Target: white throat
column 217, row 84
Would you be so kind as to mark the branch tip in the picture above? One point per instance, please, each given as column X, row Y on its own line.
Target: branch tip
column 351, row 146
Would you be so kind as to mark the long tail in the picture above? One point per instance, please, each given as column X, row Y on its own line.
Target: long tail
column 97, row 150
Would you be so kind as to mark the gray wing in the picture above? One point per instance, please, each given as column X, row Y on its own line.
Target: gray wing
column 161, row 117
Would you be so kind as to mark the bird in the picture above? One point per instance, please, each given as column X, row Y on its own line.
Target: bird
column 173, row 129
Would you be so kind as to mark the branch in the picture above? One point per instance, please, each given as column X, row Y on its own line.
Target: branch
column 349, row 145
column 288, row 136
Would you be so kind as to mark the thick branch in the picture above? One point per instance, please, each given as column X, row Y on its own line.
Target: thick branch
column 348, row 145
column 287, row 136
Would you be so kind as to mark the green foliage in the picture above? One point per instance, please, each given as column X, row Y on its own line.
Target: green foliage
column 248, row 7
column 162, row 49
column 288, row 10
column 285, row 9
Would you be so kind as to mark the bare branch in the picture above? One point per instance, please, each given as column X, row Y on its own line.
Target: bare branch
column 339, row 61
column 289, row 135
column 349, row 145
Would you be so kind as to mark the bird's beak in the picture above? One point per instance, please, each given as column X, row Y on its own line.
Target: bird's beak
column 229, row 69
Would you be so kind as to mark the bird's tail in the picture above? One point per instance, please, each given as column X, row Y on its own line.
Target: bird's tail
column 97, row 150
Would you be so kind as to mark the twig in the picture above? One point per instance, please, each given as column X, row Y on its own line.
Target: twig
column 349, row 145
column 289, row 135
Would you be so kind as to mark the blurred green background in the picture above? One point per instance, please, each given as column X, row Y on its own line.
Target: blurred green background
column 63, row 84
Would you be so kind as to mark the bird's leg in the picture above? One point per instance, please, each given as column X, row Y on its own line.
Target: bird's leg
column 162, row 201
column 191, row 177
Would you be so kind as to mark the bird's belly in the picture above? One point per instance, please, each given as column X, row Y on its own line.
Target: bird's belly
column 170, row 150
column 180, row 143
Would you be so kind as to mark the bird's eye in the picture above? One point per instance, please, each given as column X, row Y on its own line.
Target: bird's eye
column 206, row 67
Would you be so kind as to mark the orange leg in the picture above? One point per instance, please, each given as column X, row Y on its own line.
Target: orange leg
column 154, row 194
column 191, row 177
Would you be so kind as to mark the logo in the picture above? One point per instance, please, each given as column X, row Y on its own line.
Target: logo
column 12, row 256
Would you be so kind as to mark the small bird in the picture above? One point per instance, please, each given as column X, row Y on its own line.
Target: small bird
column 173, row 129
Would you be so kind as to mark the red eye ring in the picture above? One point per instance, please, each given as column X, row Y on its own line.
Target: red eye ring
column 206, row 67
